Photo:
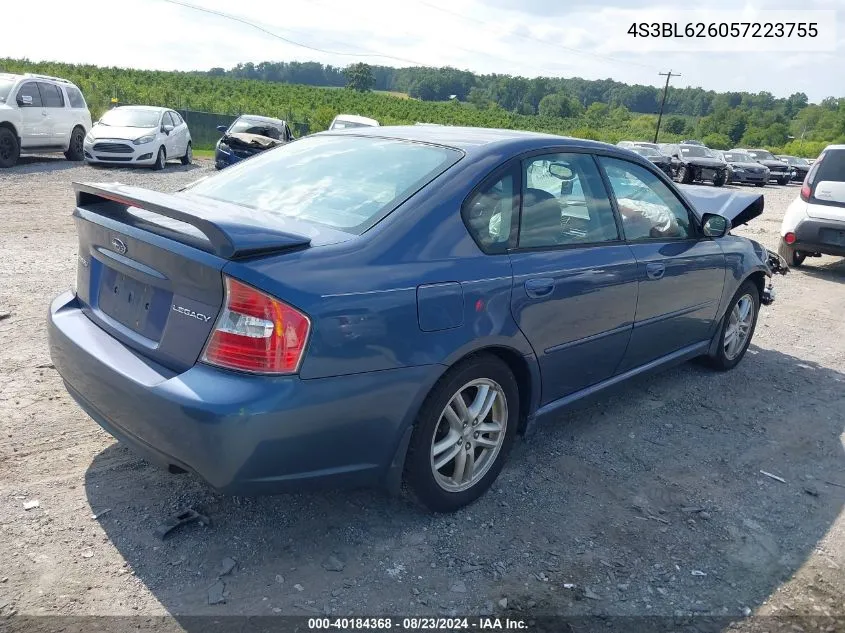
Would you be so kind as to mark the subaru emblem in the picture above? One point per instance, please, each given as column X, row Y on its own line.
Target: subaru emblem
column 118, row 245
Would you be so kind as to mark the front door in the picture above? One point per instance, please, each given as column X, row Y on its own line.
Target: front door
column 34, row 131
column 681, row 273
column 574, row 279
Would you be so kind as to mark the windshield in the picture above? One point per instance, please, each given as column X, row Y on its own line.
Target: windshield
column 262, row 128
column 793, row 160
column 761, row 154
column 345, row 182
column 696, row 151
column 646, row 151
column 5, row 88
column 130, row 117
column 739, row 157
column 653, row 146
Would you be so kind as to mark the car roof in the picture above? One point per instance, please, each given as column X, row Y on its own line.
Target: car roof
column 837, row 146
column 472, row 139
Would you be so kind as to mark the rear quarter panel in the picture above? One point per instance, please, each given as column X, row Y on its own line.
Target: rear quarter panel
column 361, row 295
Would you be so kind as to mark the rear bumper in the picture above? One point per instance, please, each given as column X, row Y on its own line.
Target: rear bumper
column 243, row 434
column 820, row 236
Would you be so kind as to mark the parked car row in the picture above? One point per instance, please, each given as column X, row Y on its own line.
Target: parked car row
column 692, row 161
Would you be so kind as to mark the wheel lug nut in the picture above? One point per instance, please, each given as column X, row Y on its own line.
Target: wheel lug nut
column 468, row 446
column 475, row 435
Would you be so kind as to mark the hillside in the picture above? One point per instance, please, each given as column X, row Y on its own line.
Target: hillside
column 752, row 121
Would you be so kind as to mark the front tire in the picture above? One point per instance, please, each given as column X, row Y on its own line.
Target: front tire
column 719, row 180
column 760, row 184
column 75, row 151
column 10, row 149
column 188, row 158
column 463, row 434
column 161, row 160
column 684, row 175
column 783, row 182
column 737, row 328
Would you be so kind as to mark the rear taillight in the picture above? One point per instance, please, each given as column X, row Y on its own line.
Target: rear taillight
column 256, row 332
column 806, row 190
column 789, row 238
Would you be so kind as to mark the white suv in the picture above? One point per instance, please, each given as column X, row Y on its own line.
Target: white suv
column 814, row 224
column 41, row 114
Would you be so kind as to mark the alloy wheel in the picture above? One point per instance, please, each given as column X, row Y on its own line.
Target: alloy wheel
column 739, row 326
column 469, row 435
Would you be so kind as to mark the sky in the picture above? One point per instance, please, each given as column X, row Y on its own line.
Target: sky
column 566, row 38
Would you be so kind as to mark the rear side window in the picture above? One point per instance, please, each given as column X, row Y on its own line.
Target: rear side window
column 75, row 98
column 345, row 182
column 489, row 213
column 564, row 203
column 28, row 96
column 51, row 96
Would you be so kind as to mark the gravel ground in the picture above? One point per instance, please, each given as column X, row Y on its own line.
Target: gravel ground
column 649, row 501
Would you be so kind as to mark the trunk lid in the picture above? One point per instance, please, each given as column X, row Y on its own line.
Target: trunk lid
column 150, row 264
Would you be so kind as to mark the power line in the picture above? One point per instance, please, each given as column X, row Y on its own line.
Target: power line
column 535, row 40
column 285, row 39
column 668, row 76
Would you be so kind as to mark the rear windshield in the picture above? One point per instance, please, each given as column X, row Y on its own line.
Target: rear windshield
column 345, row 182
column 345, row 125
column 831, row 167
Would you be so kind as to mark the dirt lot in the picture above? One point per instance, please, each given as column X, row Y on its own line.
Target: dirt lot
column 647, row 502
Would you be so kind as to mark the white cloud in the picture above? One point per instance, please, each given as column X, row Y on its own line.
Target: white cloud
column 525, row 37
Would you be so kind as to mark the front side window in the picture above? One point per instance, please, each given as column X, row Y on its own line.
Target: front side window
column 564, row 202
column 649, row 209
column 345, row 182
column 490, row 212
column 28, row 96
column 51, row 96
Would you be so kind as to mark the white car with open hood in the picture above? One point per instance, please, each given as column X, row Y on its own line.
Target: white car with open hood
column 814, row 224
column 139, row 135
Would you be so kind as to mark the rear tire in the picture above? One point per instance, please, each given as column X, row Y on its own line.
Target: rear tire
column 161, row 160
column 793, row 258
column 737, row 328
column 75, row 151
column 456, row 451
column 188, row 158
column 10, row 149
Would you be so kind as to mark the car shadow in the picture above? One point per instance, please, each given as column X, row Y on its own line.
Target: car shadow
column 649, row 500
column 828, row 268
column 34, row 163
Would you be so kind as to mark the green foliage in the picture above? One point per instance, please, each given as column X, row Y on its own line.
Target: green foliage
column 717, row 141
column 359, row 77
column 602, row 110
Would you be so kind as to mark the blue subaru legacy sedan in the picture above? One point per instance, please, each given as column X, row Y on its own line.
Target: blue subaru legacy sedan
column 362, row 307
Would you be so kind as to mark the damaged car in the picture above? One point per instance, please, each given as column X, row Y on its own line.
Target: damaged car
column 248, row 135
column 375, row 306
column 779, row 170
column 692, row 163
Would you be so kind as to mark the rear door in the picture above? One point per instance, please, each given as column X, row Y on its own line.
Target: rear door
column 681, row 273
column 34, row 128
column 575, row 280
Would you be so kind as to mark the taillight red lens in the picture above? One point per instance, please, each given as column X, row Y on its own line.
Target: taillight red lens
column 256, row 332
column 805, row 191
column 789, row 238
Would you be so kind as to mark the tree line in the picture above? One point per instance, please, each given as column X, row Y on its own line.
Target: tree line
column 311, row 94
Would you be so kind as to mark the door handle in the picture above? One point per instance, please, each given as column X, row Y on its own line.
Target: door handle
column 655, row 271
column 537, row 288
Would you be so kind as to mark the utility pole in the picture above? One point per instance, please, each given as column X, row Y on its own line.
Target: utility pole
column 668, row 76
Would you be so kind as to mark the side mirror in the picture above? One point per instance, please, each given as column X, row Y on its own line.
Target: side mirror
column 167, row 129
column 715, row 225
column 24, row 100
column 222, row 128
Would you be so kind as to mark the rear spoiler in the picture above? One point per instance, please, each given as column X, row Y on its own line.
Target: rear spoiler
column 230, row 231
column 740, row 207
